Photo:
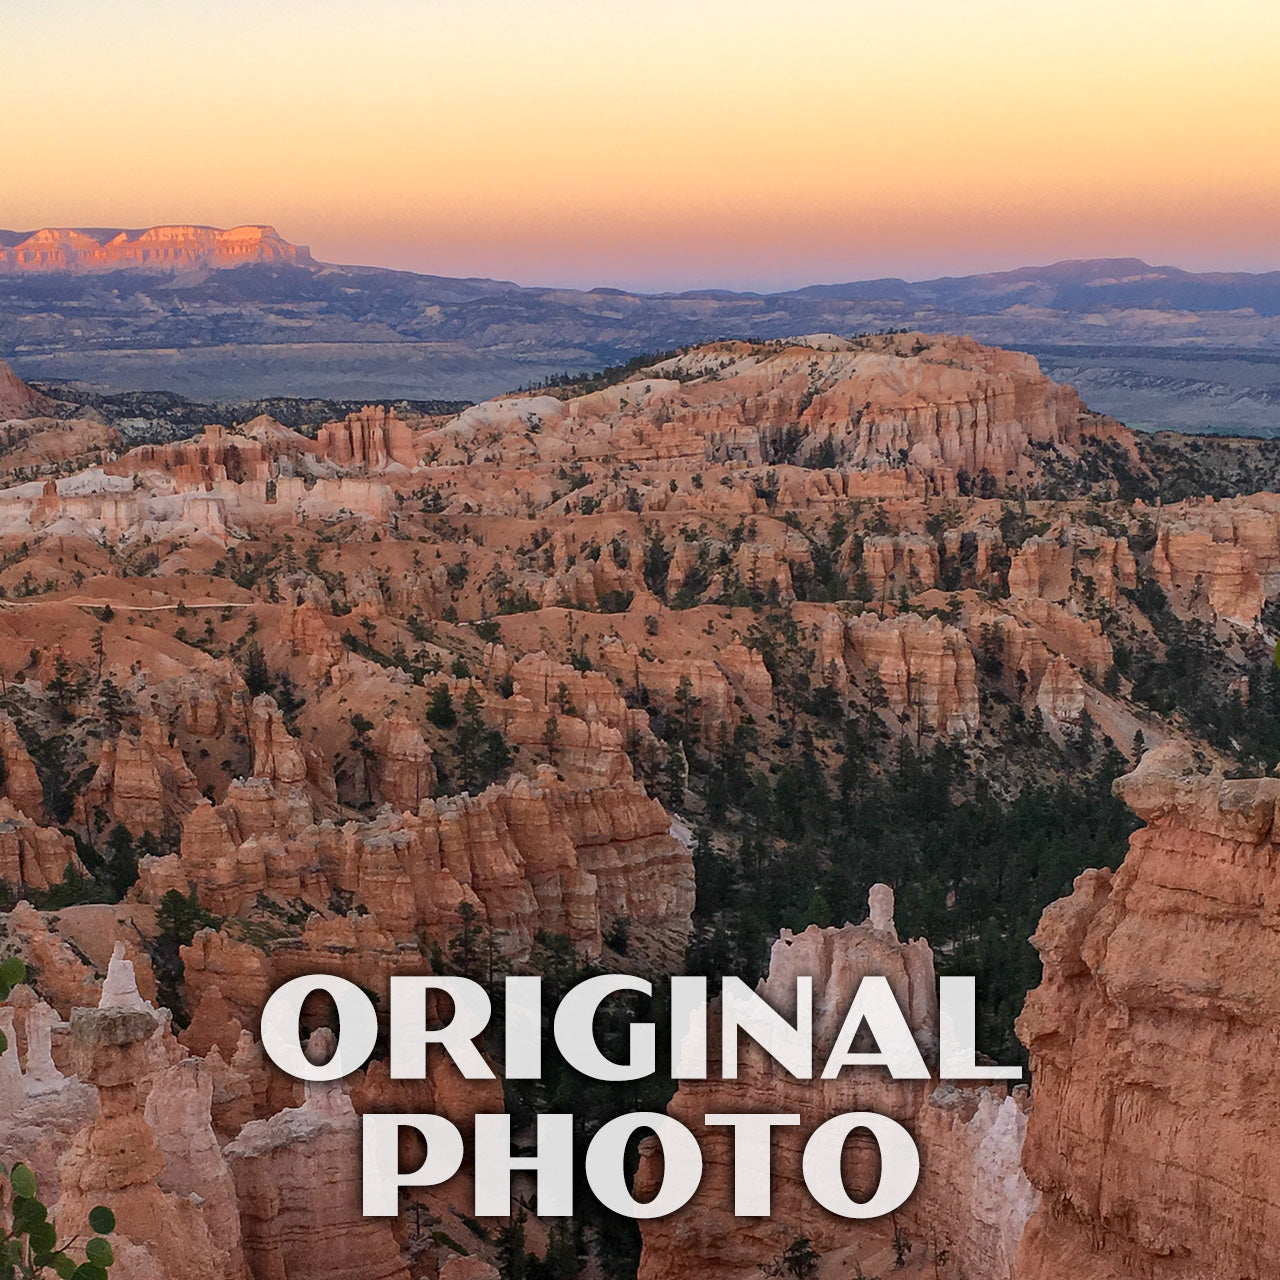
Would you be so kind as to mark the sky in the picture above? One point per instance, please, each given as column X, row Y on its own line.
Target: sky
column 661, row 143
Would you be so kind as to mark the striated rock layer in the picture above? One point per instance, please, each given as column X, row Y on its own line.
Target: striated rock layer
column 150, row 1151
column 533, row 853
column 941, row 412
column 73, row 249
column 1153, row 1043
column 298, row 1176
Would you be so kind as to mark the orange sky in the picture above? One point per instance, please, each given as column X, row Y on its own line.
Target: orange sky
column 748, row 143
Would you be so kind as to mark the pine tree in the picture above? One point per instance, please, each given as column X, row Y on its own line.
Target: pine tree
column 257, row 677
column 111, row 704
column 471, row 733
column 440, row 709
column 121, row 866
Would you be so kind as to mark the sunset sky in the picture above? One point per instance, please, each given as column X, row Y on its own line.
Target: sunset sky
column 743, row 143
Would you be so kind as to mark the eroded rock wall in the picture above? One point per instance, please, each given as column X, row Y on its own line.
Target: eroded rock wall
column 1152, row 1043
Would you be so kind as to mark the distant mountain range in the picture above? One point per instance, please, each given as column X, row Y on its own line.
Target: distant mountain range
column 243, row 314
column 83, row 249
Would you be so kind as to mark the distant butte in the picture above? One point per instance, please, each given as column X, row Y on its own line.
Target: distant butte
column 80, row 249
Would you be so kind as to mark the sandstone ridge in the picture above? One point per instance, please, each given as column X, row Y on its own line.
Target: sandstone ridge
column 153, row 248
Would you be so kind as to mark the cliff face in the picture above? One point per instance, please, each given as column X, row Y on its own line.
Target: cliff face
column 532, row 854
column 31, row 855
column 372, row 439
column 142, row 782
column 925, row 670
column 155, row 248
column 1152, row 1042
column 21, row 782
column 1221, row 559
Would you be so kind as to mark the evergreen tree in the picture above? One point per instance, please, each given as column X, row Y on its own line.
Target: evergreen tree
column 440, row 709
column 121, row 864
column 257, row 677
column 470, row 739
column 111, row 705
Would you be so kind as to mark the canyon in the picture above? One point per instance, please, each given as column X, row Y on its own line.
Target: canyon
column 594, row 678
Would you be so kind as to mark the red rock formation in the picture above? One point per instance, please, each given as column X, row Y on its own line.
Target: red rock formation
column 17, row 400
column 926, row 670
column 179, row 1113
column 406, row 775
column 1060, row 694
column 469, row 1268
column 330, row 498
column 240, row 1087
column 1047, row 653
column 1219, row 558
column 1202, row 573
column 1081, row 641
column 533, row 853
column 678, row 480
column 31, row 856
column 1052, row 568
column 594, row 724
column 971, row 1199
column 142, row 782
column 298, row 1176
column 372, row 439
column 277, row 754
column 711, row 693
column 936, row 408
column 21, row 782
column 212, row 1026
column 216, row 455
column 903, row 560
column 38, row 1130
column 1151, row 1042
column 156, row 248
column 117, row 1159
column 52, row 445
column 239, row 974
column 62, row 977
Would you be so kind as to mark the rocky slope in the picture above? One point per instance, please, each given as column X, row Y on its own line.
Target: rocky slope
column 912, row 403
column 17, row 400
